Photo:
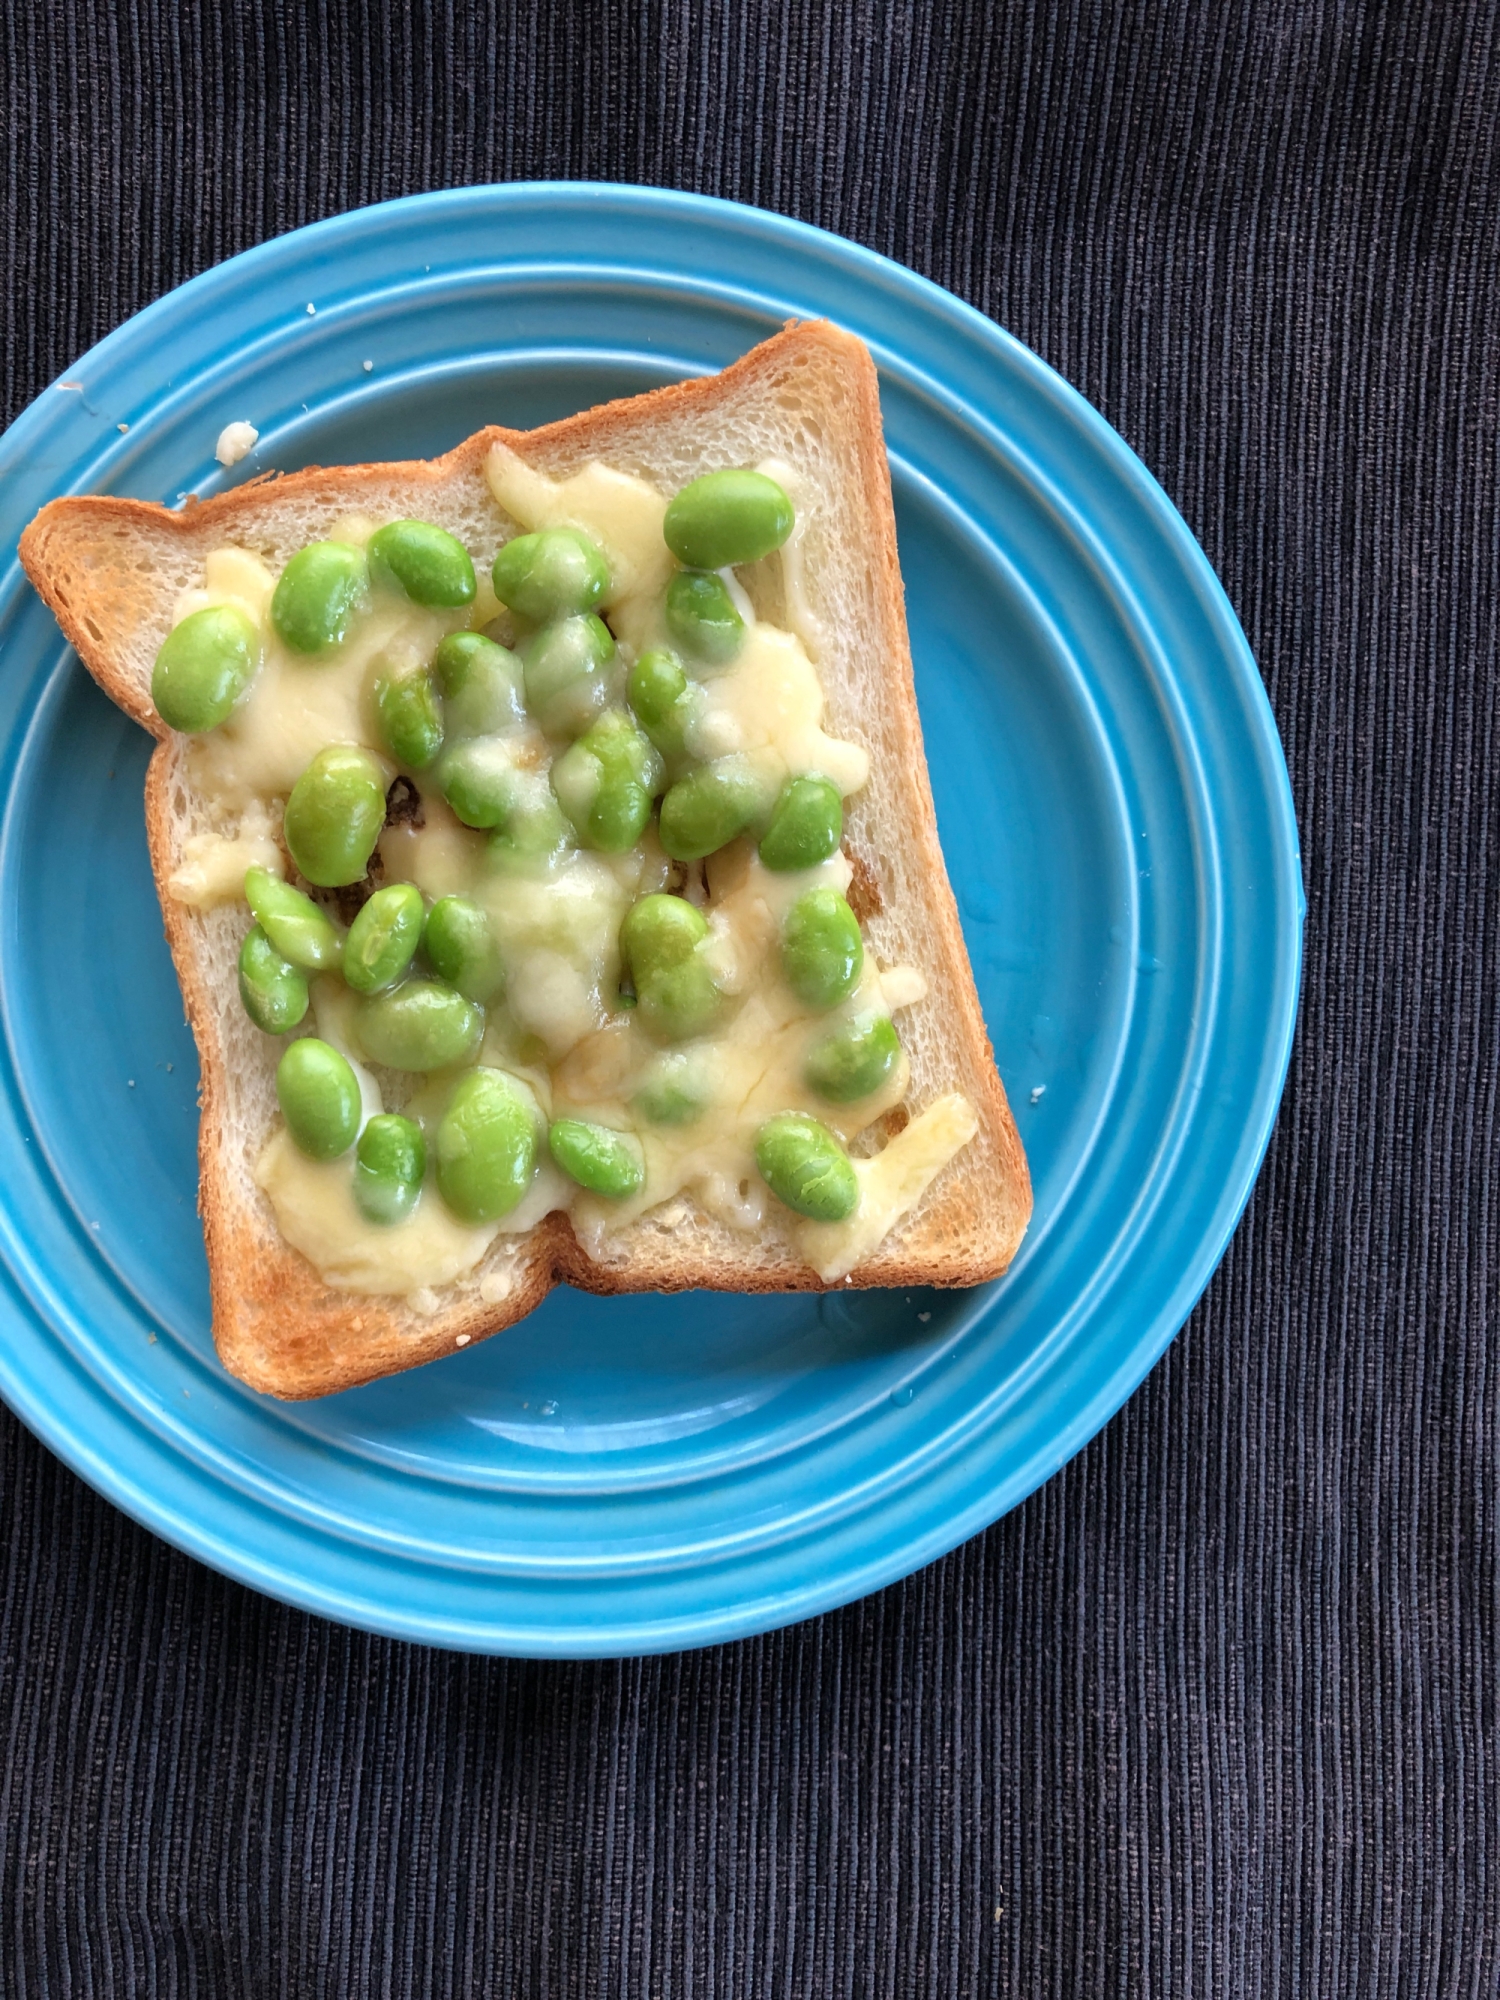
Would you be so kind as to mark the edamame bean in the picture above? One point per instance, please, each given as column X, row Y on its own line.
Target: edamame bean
column 567, row 673
column 486, row 1146
column 605, row 783
column 419, row 1026
column 550, row 573
column 853, row 1060
column 701, row 617
column 807, row 824
column 388, row 1168
column 317, row 595
column 274, row 993
column 536, row 833
column 660, row 931
column 705, row 810
column 727, row 517
column 481, row 684
column 605, row 1162
column 656, row 682
column 319, row 1098
column 424, row 562
column 673, row 1089
column 334, row 815
column 676, row 996
column 410, row 713
column 803, row 1165
column 478, row 779
column 383, row 938
column 460, row 944
column 297, row 928
column 822, row 953
column 664, row 698
column 204, row 666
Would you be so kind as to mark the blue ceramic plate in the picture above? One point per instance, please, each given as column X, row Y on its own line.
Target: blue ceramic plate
column 620, row 1476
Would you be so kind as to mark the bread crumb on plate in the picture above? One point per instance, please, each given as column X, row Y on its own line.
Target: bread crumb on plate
column 235, row 441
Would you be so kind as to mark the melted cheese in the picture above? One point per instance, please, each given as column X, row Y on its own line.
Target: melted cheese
column 902, row 986
column 442, row 856
column 890, row 1186
column 296, row 707
column 355, row 529
column 558, row 1024
column 315, row 1212
column 230, row 576
column 798, row 613
column 768, row 705
column 750, row 1068
column 621, row 513
column 213, row 865
column 559, row 938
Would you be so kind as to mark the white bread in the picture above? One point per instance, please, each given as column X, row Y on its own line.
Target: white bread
column 111, row 569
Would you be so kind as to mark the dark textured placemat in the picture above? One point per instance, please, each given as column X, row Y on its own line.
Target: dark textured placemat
column 1216, row 1712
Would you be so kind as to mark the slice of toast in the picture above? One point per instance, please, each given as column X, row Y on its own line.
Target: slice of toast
column 112, row 569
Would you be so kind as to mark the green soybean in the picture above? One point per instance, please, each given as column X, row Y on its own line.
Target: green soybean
column 804, row 1166
column 673, row 1089
column 388, row 1167
column 676, row 997
column 297, row 928
column 655, row 684
column 550, row 573
column 567, row 668
column 481, row 684
column 853, row 1060
column 410, row 713
column 605, row 783
column 478, row 779
column 383, row 938
column 204, row 666
column 334, row 816
column 701, row 617
column 727, row 517
column 319, row 1098
column 822, row 953
column 419, row 1026
column 426, row 563
column 705, row 810
column 663, row 698
column 460, row 945
column 274, row 992
column 486, row 1146
column 660, row 931
column 807, row 825
column 317, row 595
column 535, row 833
column 605, row 1162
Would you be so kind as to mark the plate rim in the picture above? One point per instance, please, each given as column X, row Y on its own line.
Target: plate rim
column 743, row 1619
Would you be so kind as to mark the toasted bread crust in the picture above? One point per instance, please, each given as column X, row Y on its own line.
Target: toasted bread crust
column 277, row 1325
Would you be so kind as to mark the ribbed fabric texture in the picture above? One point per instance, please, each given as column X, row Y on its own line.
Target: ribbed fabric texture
column 1216, row 1712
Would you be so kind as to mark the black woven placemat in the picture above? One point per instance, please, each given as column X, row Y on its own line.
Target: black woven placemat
column 1216, row 1712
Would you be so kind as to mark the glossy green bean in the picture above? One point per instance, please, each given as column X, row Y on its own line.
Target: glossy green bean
column 551, row 573
column 486, row 1146
column 334, row 816
column 319, row 1098
column 205, row 664
column 804, row 1165
column 599, row 1159
column 273, row 991
column 726, row 518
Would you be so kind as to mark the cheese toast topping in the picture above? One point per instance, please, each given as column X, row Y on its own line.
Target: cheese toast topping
column 559, row 880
